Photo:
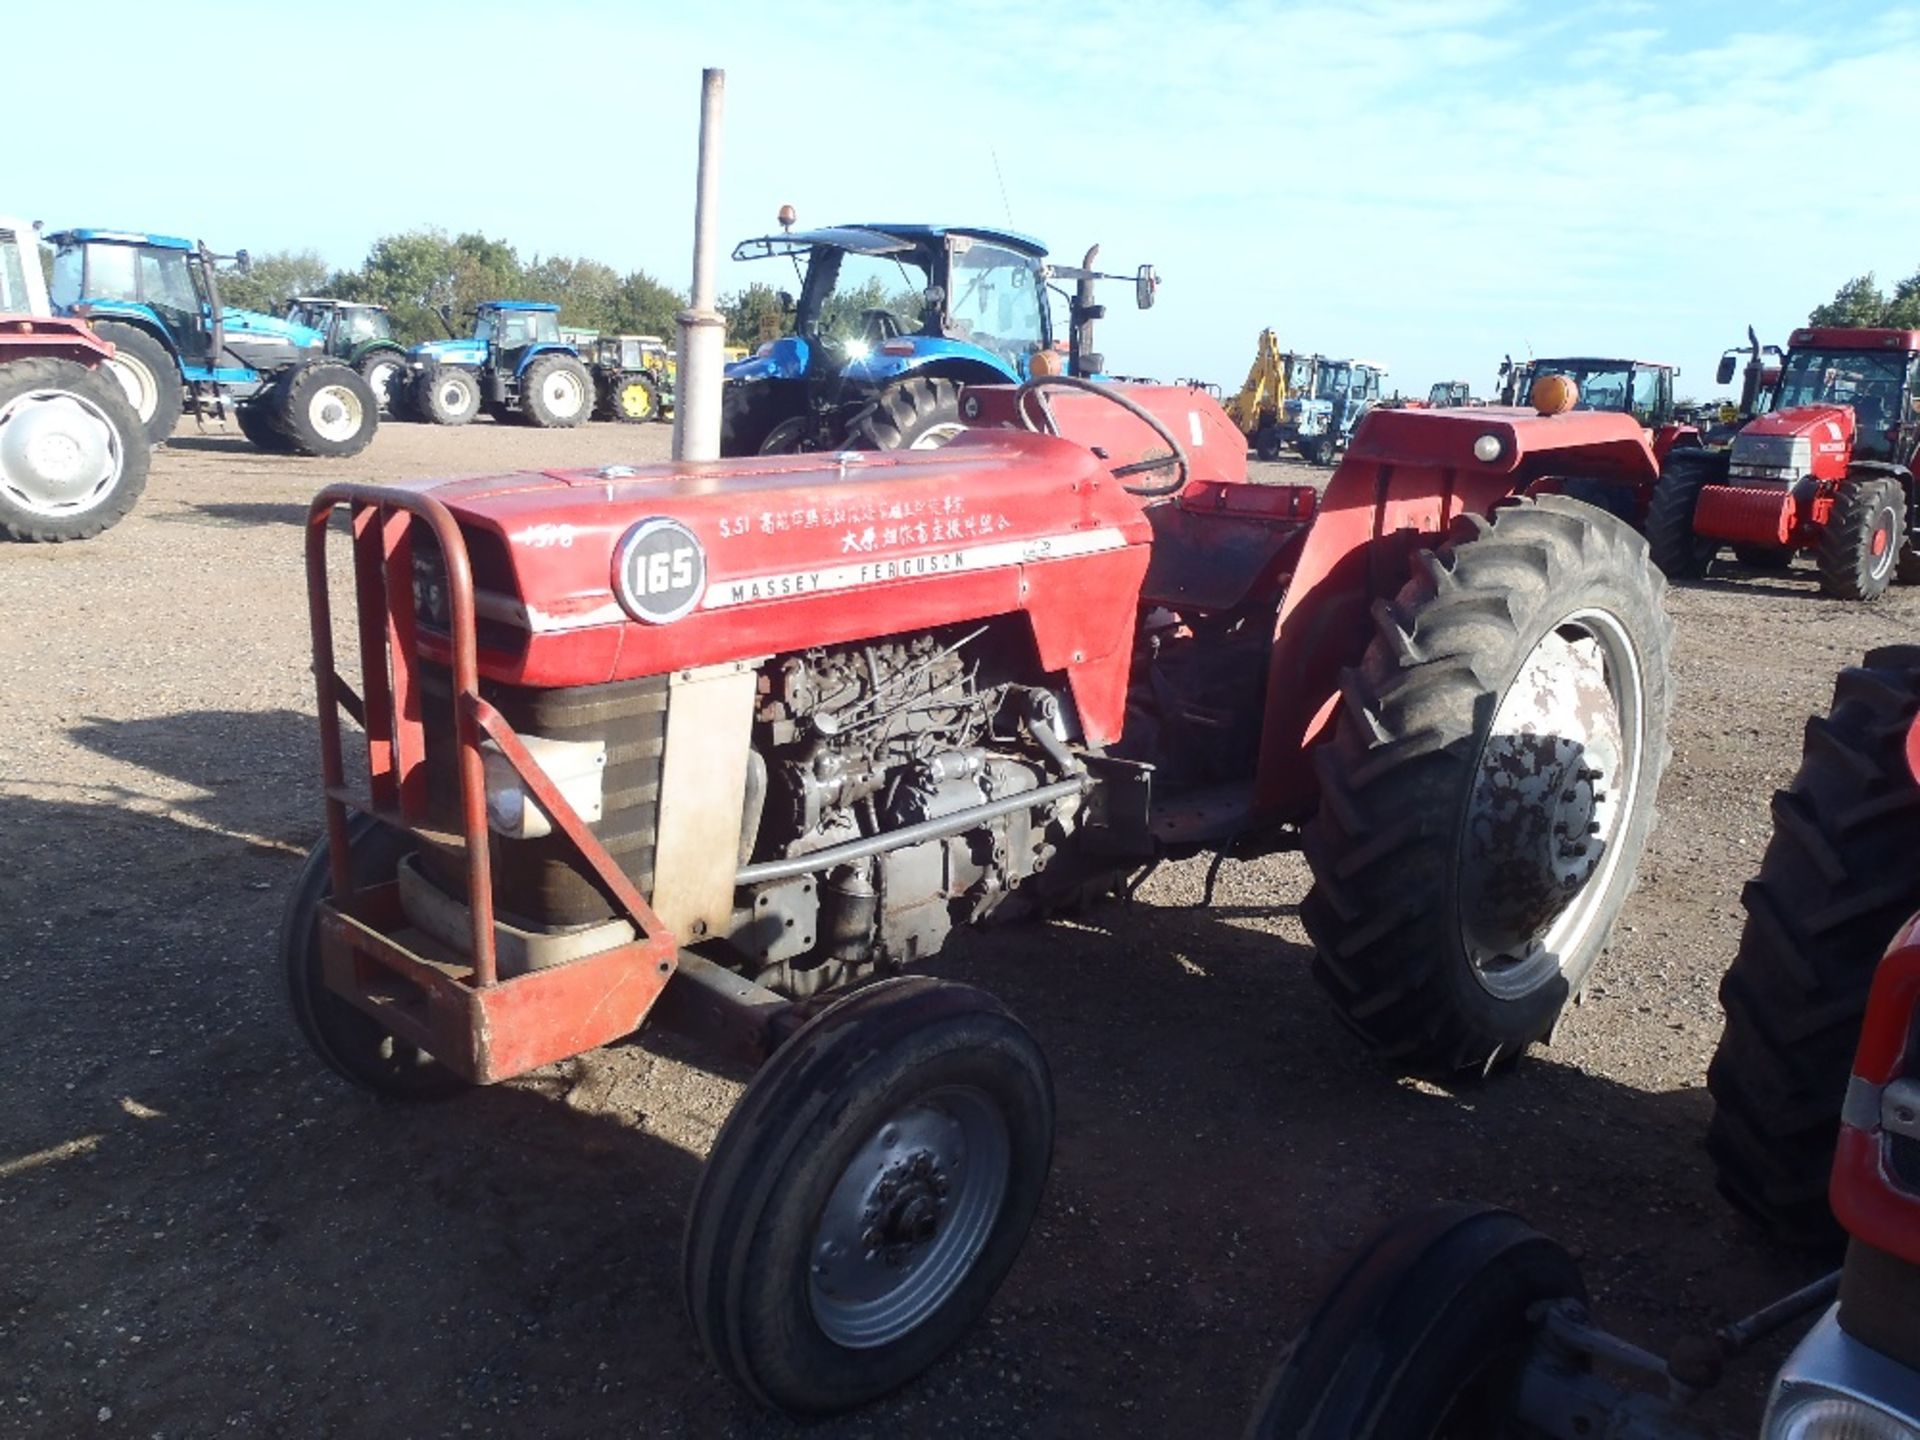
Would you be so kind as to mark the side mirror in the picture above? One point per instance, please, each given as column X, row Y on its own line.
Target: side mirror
column 245, row 261
column 1145, row 282
column 933, row 297
column 1724, row 375
column 786, row 302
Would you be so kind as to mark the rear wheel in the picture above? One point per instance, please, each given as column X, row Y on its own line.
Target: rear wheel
column 1424, row 1335
column 634, row 399
column 324, row 409
column 385, row 372
column 869, row 1193
column 1681, row 554
column 1860, row 543
column 148, row 375
column 556, row 393
column 1267, row 444
column 73, row 454
column 921, row 412
column 1490, row 785
column 1837, row 881
column 750, row 409
column 351, row 1043
column 447, row 394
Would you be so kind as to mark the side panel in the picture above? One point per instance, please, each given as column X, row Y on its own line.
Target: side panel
column 703, row 787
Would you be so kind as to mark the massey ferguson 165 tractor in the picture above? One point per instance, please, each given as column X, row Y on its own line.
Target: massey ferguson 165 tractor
column 1465, row 1322
column 73, row 454
column 1829, row 469
column 708, row 744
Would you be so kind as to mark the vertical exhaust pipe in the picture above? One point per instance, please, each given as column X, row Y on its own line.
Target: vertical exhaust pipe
column 696, row 407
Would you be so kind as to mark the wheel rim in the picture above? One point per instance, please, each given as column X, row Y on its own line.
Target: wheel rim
column 908, row 1217
column 59, row 453
column 934, row 436
column 1881, row 549
column 1554, row 787
column 335, row 413
column 635, row 401
column 563, row 393
column 143, row 390
column 453, row 396
column 379, row 378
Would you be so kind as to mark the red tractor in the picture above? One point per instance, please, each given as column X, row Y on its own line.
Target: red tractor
column 73, row 455
column 1464, row 1321
column 1827, row 469
column 705, row 745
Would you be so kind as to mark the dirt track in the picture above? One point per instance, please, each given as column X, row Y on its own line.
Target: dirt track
column 202, row 1232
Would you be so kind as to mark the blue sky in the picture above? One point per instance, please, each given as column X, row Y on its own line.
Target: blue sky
column 1426, row 184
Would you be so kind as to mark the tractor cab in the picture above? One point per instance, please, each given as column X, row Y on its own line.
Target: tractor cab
column 1870, row 371
column 1640, row 388
column 1449, row 395
column 510, row 326
column 1321, row 420
column 349, row 326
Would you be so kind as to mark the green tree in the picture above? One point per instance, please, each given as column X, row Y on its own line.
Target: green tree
column 753, row 314
column 273, row 279
column 647, row 307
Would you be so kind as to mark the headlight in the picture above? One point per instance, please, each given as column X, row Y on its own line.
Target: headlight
column 1487, row 449
column 1799, row 1415
column 575, row 767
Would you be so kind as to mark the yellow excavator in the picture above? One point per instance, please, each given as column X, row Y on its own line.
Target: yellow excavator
column 1260, row 408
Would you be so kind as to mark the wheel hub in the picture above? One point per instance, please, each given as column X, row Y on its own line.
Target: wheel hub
column 1548, row 802
column 335, row 413
column 907, row 1217
column 58, row 453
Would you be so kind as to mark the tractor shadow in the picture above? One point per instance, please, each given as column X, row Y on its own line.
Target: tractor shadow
column 1735, row 579
column 241, row 514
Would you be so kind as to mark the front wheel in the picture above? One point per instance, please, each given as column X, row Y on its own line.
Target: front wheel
column 1490, row 785
column 1676, row 549
column 869, row 1193
column 1424, row 1335
column 351, row 1043
column 385, row 372
column 921, row 412
column 73, row 454
column 1861, row 542
column 556, row 393
column 633, row 399
column 446, row 394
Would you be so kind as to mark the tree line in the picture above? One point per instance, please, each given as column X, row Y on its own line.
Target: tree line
column 418, row 273
column 1862, row 303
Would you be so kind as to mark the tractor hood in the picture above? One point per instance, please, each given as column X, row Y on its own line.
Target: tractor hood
column 243, row 323
column 586, row 576
column 448, row 352
column 782, row 359
column 1788, row 444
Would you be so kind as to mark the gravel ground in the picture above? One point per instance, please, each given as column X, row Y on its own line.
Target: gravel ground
column 204, row 1233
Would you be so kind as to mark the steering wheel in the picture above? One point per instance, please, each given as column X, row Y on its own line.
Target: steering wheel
column 1176, row 459
column 881, row 325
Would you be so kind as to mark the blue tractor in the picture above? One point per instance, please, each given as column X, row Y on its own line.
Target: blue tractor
column 178, row 349
column 514, row 366
column 1321, row 422
column 891, row 321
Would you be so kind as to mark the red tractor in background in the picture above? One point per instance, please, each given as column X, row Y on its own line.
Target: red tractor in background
column 1465, row 1322
column 1826, row 468
column 73, row 455
column 707, row 744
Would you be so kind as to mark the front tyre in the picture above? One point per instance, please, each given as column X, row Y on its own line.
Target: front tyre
column 1490, row 785
column 148, row 375
column 633, row 399
column 324, row 409
column 385, row 372
column 1861, row 542
column 556, row 393
column 1424, row 1335
column 921, row 412
column 351, row 1043
column 868, row 1195
column 446, row 394
column 73, row 454
column 1681, row 554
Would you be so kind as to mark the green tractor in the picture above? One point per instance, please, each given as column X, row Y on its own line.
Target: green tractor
column 359, row 334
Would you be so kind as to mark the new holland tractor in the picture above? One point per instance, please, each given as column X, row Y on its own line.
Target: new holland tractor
column 514, row 366
column 1464, row 1322
column 728, row 747
column 1826, row 468
column 73, row 454
column 891, row 322
column 358, row 334
column 1320, row 421
column 177, row 348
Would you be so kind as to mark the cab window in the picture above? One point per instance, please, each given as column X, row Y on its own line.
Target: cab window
column 1646, row 394
column 997, row 300
column 110, row 273
column 67, row 266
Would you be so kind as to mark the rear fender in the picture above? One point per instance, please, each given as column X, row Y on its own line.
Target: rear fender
column 128, row 313
column 1869, row 1201
column 1408, row 475
column 534, row 352
column 954, row 359
column 25, row 337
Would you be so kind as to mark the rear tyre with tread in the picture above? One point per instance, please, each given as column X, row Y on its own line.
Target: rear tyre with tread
column 1424, row 1334
column 1837, row 881
column 868, row 1194
column 73, row 453
column 385, row 372
column 1490, row 785
column 149, row 376
column 556, row 393
column 1861, row 542
column 632, row 399
column 1681, row 554
column 256, row 421
column 1267, row 444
